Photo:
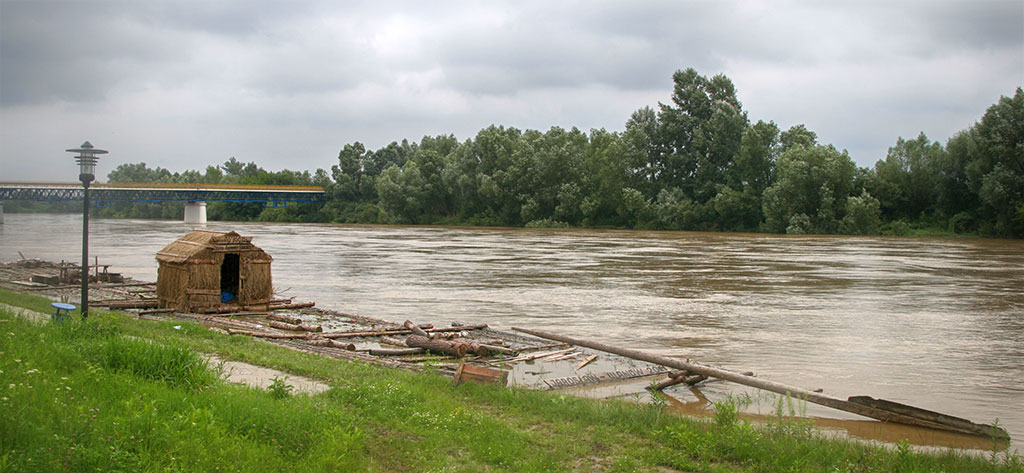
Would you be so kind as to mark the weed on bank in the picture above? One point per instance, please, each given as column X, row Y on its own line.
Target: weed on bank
column 116, row 393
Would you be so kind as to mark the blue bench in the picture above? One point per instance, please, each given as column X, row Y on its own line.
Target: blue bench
column 63, row 311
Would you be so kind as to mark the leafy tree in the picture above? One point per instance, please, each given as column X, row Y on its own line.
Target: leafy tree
column 635, row 209
column 394, row 154
column 348, row 173
column 645, row 150
column 138, row 172
column 905, row 182
column 954, row 197
column 702, row 130
column 755, row 162
column 797, row 136
column 863, row 215
column 605, row 171
column 812, row 185
column 997, row 175
column 738, row 205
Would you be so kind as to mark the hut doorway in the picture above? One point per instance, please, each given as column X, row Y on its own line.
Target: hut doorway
column 229, row 277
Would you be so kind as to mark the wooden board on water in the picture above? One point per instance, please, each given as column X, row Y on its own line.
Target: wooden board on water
column 606, row 377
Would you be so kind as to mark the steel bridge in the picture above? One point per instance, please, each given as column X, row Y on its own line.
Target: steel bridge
column 195, row 196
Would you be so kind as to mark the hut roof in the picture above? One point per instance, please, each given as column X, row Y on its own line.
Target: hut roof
column 201, row 240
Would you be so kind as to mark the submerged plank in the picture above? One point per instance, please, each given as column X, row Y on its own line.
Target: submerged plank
column 606, row 377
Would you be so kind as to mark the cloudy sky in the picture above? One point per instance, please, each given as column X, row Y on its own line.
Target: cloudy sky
column 286, row 84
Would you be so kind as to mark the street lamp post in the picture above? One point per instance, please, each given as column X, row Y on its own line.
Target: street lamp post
column 87, row 169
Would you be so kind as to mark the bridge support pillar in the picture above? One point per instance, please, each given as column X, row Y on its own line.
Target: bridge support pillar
column 1, row 213
column 195, row 213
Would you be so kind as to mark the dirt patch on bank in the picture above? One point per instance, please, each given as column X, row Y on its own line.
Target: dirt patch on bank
column 262, row 377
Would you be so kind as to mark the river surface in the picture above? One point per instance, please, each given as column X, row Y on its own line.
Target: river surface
column 935, row 323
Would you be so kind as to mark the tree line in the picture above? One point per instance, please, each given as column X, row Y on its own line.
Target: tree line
column 696, row 162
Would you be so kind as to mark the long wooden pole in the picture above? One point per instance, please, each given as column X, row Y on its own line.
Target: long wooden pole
column 779, row 388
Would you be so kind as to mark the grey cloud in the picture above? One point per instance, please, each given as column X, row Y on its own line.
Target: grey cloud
column 269, row 80
column 562, row 47
column 972, row 25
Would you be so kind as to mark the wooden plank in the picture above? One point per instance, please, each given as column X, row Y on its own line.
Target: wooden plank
column 931, row 416
column 606, row 377
column 586, row 362
column 466, row 372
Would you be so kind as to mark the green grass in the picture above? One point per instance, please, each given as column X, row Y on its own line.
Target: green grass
column 120, row 394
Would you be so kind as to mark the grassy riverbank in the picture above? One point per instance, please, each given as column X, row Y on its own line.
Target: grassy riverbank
column 120, row 394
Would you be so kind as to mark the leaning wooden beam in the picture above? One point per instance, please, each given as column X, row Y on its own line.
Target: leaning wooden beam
column 155, row 311
column 779, row 388
column 670, row 381
column 674, row 380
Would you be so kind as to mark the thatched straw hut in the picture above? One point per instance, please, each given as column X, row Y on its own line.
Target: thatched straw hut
column 205, row 269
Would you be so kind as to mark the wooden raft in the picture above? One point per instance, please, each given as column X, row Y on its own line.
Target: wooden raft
column 886, row 411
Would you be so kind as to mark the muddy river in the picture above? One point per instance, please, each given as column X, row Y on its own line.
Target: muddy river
column 936, row 323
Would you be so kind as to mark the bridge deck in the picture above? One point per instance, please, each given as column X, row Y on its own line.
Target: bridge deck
column 162, row 192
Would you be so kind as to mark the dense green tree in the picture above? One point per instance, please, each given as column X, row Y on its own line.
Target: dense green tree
column 810, row 191
column 348, row 173
column 755, row 162
column 702, row 130
column 644, row 150
column 997, row 173
column 138, row 172
column 863, row 215
column 797, row 136
column 954, row 198
column 604, row 174
column 905, row 182
column 738, row 204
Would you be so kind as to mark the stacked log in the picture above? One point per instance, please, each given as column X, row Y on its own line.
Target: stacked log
column 302, row 327
column 431, row 341
column 285, row 319
column 132, row 304
column 326, row 342
column 449, row 347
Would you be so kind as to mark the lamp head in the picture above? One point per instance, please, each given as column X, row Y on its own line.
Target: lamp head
column 87, row 158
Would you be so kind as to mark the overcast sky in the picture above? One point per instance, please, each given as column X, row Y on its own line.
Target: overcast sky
column 185, row 84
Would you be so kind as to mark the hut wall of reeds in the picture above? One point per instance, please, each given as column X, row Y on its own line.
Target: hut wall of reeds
column 203, row 268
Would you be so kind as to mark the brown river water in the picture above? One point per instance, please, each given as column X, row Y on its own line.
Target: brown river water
column 935, row 323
